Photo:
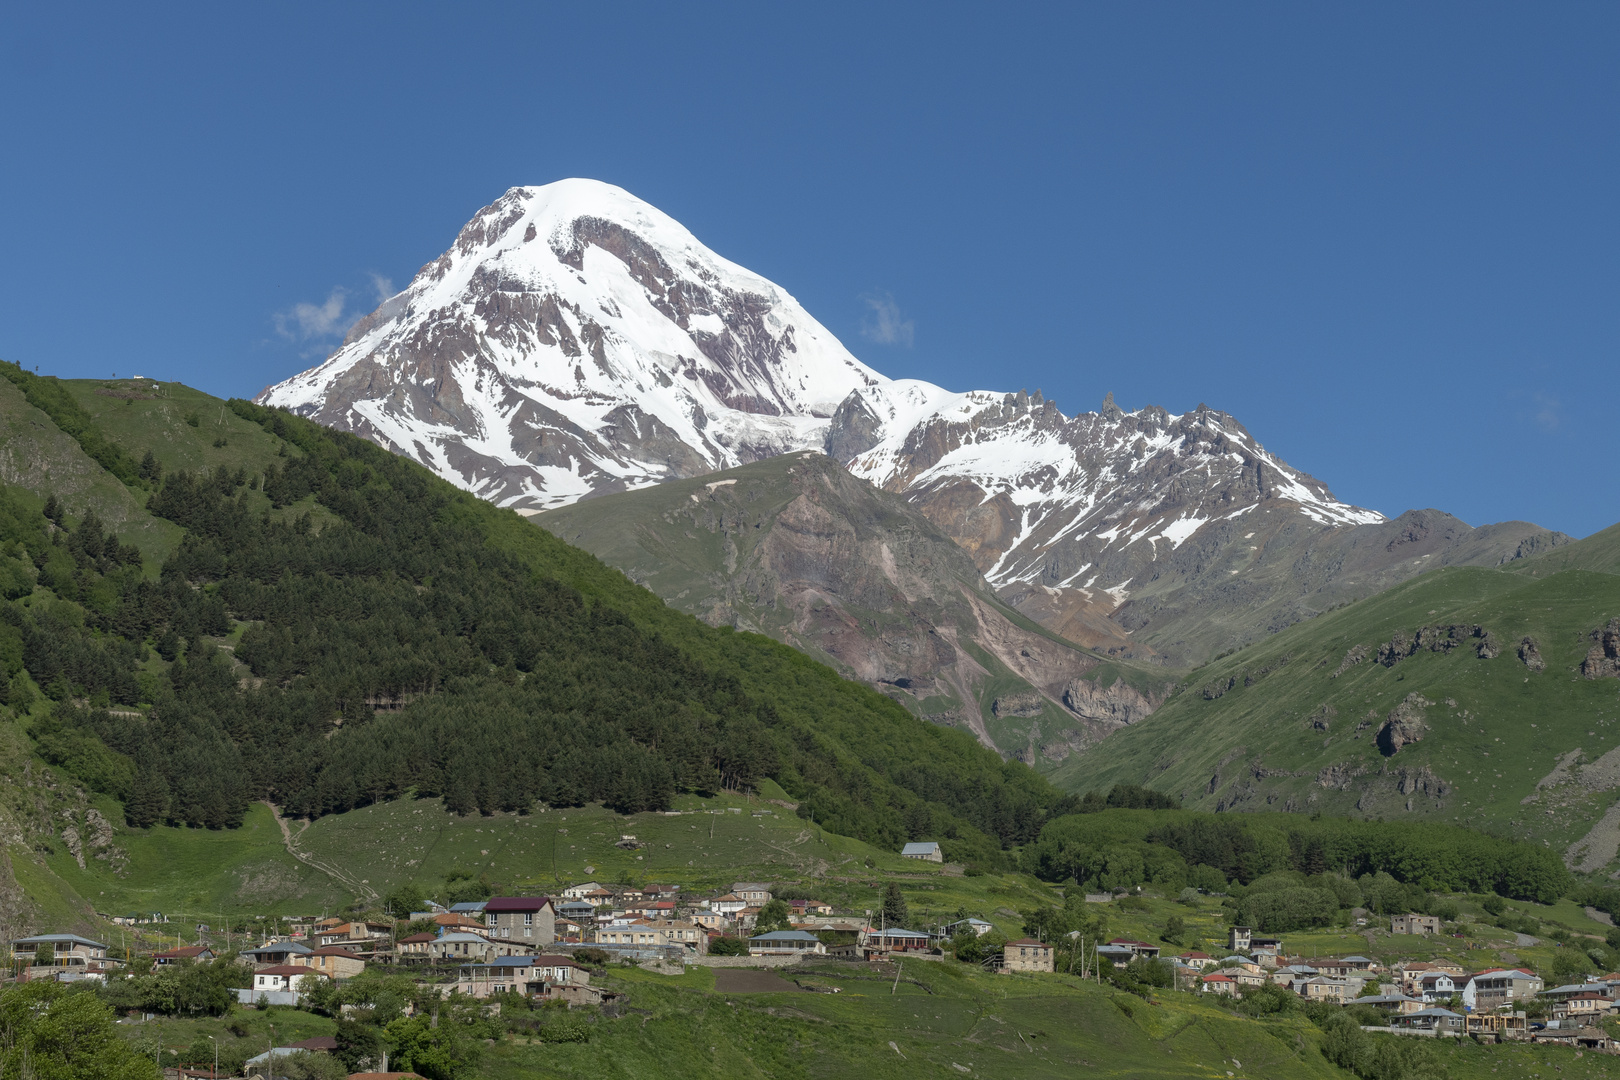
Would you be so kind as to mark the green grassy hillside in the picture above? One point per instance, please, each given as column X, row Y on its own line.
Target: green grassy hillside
column 1599, row 552
column 1293, row 723
column 208, row 605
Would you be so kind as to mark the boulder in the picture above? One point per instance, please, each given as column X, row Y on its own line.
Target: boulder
column 1404, row 725
column 1603, row 658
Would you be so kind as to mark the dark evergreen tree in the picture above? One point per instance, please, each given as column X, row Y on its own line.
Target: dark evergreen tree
column 148, row 800
column 895, row 911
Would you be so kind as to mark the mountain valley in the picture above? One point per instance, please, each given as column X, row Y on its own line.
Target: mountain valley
column 797, row 548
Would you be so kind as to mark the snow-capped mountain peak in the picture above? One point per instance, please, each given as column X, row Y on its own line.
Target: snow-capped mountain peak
column 575, row 340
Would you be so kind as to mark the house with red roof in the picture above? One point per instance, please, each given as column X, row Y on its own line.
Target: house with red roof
column 199, row 954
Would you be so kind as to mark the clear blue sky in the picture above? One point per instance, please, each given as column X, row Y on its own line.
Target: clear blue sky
column 1384, row 236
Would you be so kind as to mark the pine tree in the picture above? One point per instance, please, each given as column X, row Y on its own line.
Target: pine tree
column 148, row 799
column 895, row 912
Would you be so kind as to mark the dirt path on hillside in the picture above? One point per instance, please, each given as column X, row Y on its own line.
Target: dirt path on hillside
column 359, row 888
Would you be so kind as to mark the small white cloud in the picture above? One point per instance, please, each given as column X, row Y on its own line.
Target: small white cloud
column 1548, row 415
column 384, row 287
column 885, row 325
column 305, row 320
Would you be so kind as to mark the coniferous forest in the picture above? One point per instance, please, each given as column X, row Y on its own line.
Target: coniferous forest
column 342, row 627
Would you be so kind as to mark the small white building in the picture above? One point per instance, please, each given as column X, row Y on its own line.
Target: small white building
column 926, row 850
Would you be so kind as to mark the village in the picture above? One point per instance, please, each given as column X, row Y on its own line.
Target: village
column 550, row 949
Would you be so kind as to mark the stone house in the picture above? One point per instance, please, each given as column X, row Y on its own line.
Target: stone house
column 1414, row 924
column 1587, row 1006
column 1322, row 989
column 415, row 947
column 636, row 933
column 752, row 893
column 333, row 961
column 458, row 946
column 688, row 935
column 531, row 920
column 355, row 932
column 1496, row 987
column 926, row 850
column 1027, row 954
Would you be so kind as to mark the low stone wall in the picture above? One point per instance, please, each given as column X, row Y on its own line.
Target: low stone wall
column 744, row 961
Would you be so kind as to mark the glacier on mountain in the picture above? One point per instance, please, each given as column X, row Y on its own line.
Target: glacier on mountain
column 575, row 340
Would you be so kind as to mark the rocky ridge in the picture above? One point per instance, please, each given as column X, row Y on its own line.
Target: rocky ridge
column 576, row 341
column 799, row 549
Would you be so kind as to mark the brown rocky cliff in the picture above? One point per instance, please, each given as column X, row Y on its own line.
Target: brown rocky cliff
column 799, row 549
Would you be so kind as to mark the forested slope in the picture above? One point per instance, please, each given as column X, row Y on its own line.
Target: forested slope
column 336, row 626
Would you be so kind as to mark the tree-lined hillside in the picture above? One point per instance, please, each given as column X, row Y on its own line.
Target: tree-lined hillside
column 336, row 626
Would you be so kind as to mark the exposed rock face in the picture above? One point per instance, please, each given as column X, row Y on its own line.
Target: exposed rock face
column 799, row 549
column 1404, row 725
column 1530, row 653
column 1603, row 658
column 1440, row 639
column 1356, row 655
column 1420, row 781
column 1118, row 703
column 1338, row 775
column 1322, row 718
column 575, row 341
column 1024, row 704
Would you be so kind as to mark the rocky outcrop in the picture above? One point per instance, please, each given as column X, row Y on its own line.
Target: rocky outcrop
column 1356, row 655
column 1405, row 725
column 1337, row 777
column 1028, row 703
column 1530, row 653
column 1119, row 703
column 798, row 549
column 1420, row 781
column 1603, row 658
column 1322, row 718
column 1440, row 639
column 574, row 341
